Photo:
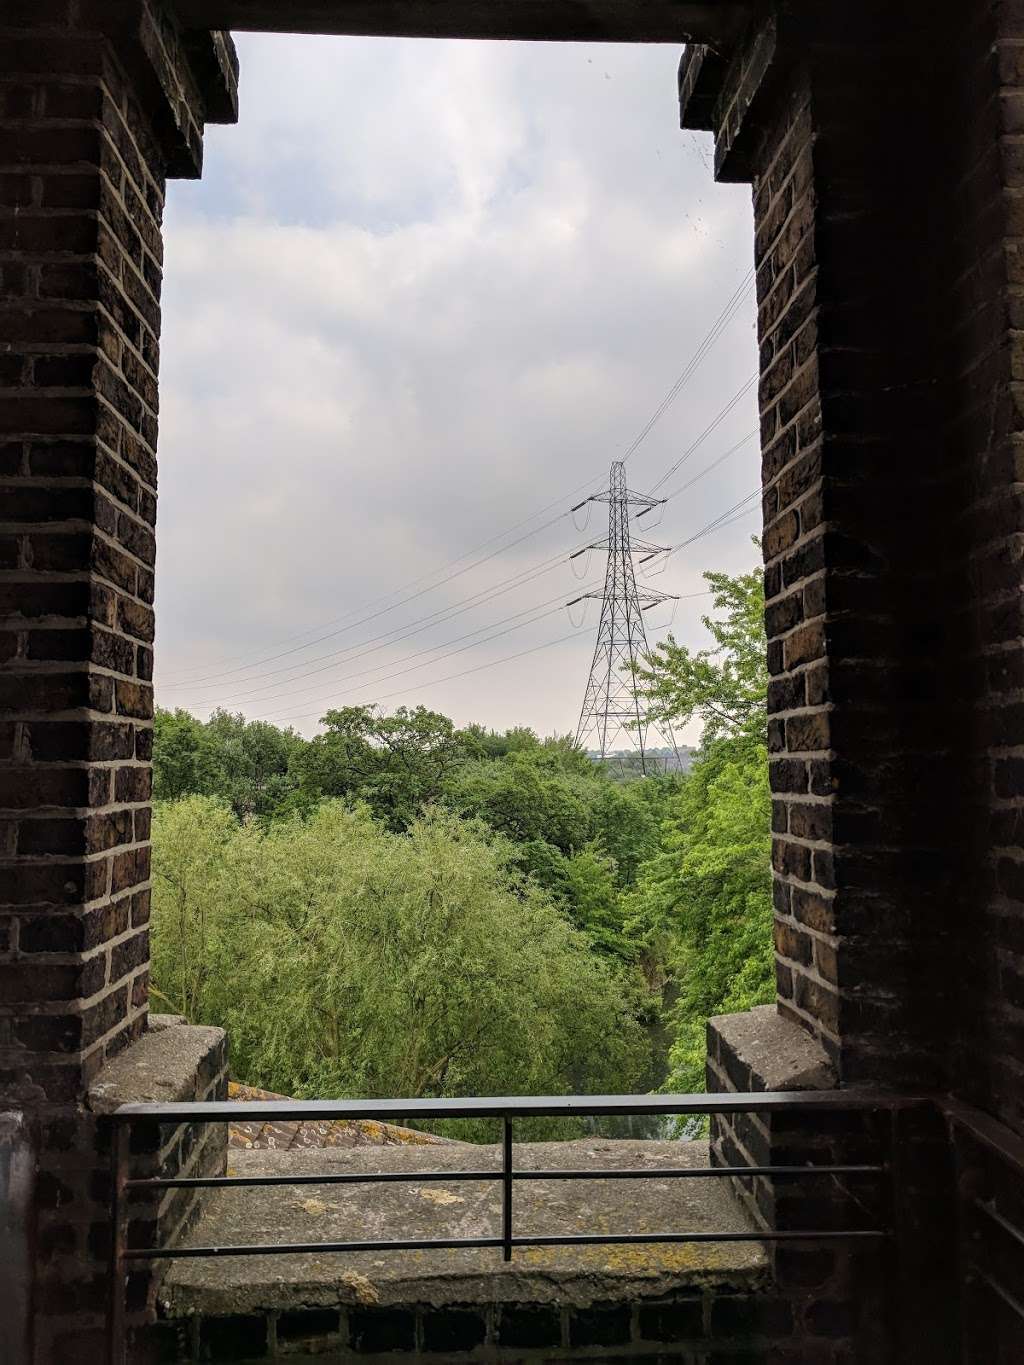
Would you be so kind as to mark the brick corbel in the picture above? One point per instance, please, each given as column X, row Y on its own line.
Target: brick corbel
column 184, row 79
column 731, row 97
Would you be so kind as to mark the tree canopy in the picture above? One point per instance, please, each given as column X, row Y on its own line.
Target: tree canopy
column 724, row 686
column 399, row 906
column 703, row 903
column 346, row 959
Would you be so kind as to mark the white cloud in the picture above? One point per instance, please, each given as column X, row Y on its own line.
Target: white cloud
column 424, row 290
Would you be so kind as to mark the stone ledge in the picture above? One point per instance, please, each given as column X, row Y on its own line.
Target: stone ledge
column 170, row 1063
column 576, row 1276
column 760, row 1050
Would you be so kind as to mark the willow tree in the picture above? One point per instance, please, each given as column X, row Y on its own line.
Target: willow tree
column 349, row 960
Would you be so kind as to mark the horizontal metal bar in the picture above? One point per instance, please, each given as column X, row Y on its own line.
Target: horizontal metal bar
column 985, row 1129
column 215, row 1182
column 519, row 1106
column 1009, row 1228
column 640, row 1238
column 580, row 1239
column 697, row 1172
column 300, row 1248
column 1011, row 1300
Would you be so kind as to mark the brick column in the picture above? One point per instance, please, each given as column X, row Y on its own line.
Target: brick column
column 850, row 127
column 98, row 104
column 884, row 148
column 987, row 292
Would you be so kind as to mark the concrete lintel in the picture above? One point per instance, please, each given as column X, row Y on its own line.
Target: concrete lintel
column 670, row 21
column 170, row 1063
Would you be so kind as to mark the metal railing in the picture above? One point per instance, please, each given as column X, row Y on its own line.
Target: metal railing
column 989, row 1163
column 507, row 1109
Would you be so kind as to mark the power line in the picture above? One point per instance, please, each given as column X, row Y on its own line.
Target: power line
column 399, row 633
column 712, row 425
column 713, row 465
column 725, row 518
column 302, row 670
column 730, row 515
column 433, row 649
column 717, row 524
column 719, row 325
column 724, row 318
column 508, row 658
column 478, row 599
column 372, row 616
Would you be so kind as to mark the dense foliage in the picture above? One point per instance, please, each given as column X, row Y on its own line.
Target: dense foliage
column 401, row 907
column 346, row 959
column 703, row 903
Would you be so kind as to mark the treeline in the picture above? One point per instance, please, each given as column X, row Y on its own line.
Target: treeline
column 574, row 830
column 399, row 906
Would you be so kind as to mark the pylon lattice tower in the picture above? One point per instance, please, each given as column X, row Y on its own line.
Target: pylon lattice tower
column 611, row 706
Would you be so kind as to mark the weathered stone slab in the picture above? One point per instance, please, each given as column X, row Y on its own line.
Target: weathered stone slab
column 284, row 1135
column 761, row 1050
column 574, row 1276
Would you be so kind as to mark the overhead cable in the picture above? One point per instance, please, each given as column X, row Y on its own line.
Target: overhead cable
column 246, row 663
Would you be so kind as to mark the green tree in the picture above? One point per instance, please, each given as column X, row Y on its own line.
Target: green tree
column 624, row 824
column 396, row 763
column 346, row 959
column 182, row 762
column 724, row 686
column 250, row 764
column 702, row 904
column 526, row 796
column 192, row 841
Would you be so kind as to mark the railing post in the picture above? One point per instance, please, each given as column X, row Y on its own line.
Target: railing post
column 116, row 1299
column 894, row 1218
column 506, row 1188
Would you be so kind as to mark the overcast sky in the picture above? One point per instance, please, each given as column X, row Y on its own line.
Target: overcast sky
column 423, row 293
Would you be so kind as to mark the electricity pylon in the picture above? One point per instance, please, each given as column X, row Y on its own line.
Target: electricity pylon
column 611, row 705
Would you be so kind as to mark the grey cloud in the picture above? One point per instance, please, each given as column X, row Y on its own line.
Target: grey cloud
column 424, row 290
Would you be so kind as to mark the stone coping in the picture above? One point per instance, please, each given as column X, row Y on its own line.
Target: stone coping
column 769, row 1052
column 169, row 1063
column 573, row 1276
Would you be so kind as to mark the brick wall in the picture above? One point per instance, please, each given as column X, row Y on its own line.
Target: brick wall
column 845, row 1283
column 986, row 337
column 91, row 121
column 849, row 139
column 688, row 1328
column 81, row 261
column 889, row 292
column 884, row 150
column 172, row 1062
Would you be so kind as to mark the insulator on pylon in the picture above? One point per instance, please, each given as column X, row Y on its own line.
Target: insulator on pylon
column 588, row 503
column 584, row 564
column 653, row 565
column 577, row 619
